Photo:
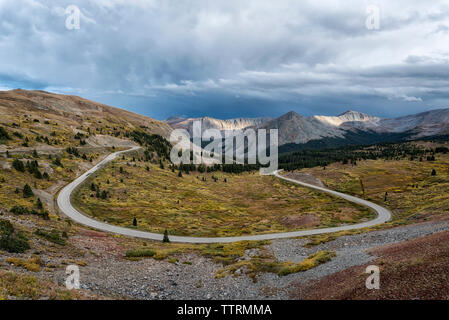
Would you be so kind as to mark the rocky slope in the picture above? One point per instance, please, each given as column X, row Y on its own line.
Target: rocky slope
column 297, row 129
column 348, row 118
column 294, row 128
column 212, row 123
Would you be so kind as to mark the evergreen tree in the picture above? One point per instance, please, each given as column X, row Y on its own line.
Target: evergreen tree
column 57, row 162
column 166, row 239
column 4, row 134
column 434, row 172
column 39, row 204
column 18, row 165
column 37, row 174
column 135, row 222
column 27, row 192
column 180, row 174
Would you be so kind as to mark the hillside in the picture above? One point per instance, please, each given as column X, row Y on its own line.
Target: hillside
column 48, row 121
column 46, row 140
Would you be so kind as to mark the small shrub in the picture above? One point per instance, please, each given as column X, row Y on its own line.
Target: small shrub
column 19, row 210
column 39, row 203
column 6, row 227
column 18, row 165
column 11, row 241
column 18, row 134
column 52, row 236
column 57, row 162
column 309, row 263
column 140, row 253
column 32, row 264
column 4, row 134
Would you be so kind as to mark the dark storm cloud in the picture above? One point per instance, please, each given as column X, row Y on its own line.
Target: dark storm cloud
column 232, row 58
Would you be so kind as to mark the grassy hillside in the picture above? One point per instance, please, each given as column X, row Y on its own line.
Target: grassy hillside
column 46, row 140
column 412, row 191
column 207, row 204
column 47, row 121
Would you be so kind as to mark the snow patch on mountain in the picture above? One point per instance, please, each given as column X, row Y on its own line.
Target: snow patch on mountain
column 212, row 123
column 348, row 117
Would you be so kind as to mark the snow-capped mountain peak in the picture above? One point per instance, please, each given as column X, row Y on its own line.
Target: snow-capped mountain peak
column 348, row 116
column 212, row 123
column 297, row 129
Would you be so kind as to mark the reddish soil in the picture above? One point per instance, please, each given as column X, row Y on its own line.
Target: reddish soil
column 305, row 177
column 414, row 269
column 98, row 243
column 306, row 220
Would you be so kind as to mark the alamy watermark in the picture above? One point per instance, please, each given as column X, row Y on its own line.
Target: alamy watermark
column 238, row 145
column 73, row 277
column 373, row 281
column 72, row 22
column 372, row 21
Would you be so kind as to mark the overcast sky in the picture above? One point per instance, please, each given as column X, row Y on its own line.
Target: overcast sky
column 232, row 58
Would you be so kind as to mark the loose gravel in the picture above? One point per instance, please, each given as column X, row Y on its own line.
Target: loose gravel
column 193, row 276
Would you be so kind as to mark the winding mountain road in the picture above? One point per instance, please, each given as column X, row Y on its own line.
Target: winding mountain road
column 65, row 205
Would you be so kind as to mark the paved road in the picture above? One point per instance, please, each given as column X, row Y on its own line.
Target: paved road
column 66, row 207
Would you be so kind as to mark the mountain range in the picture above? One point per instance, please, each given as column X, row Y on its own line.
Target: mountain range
column 76, row 115
column 351, row 127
